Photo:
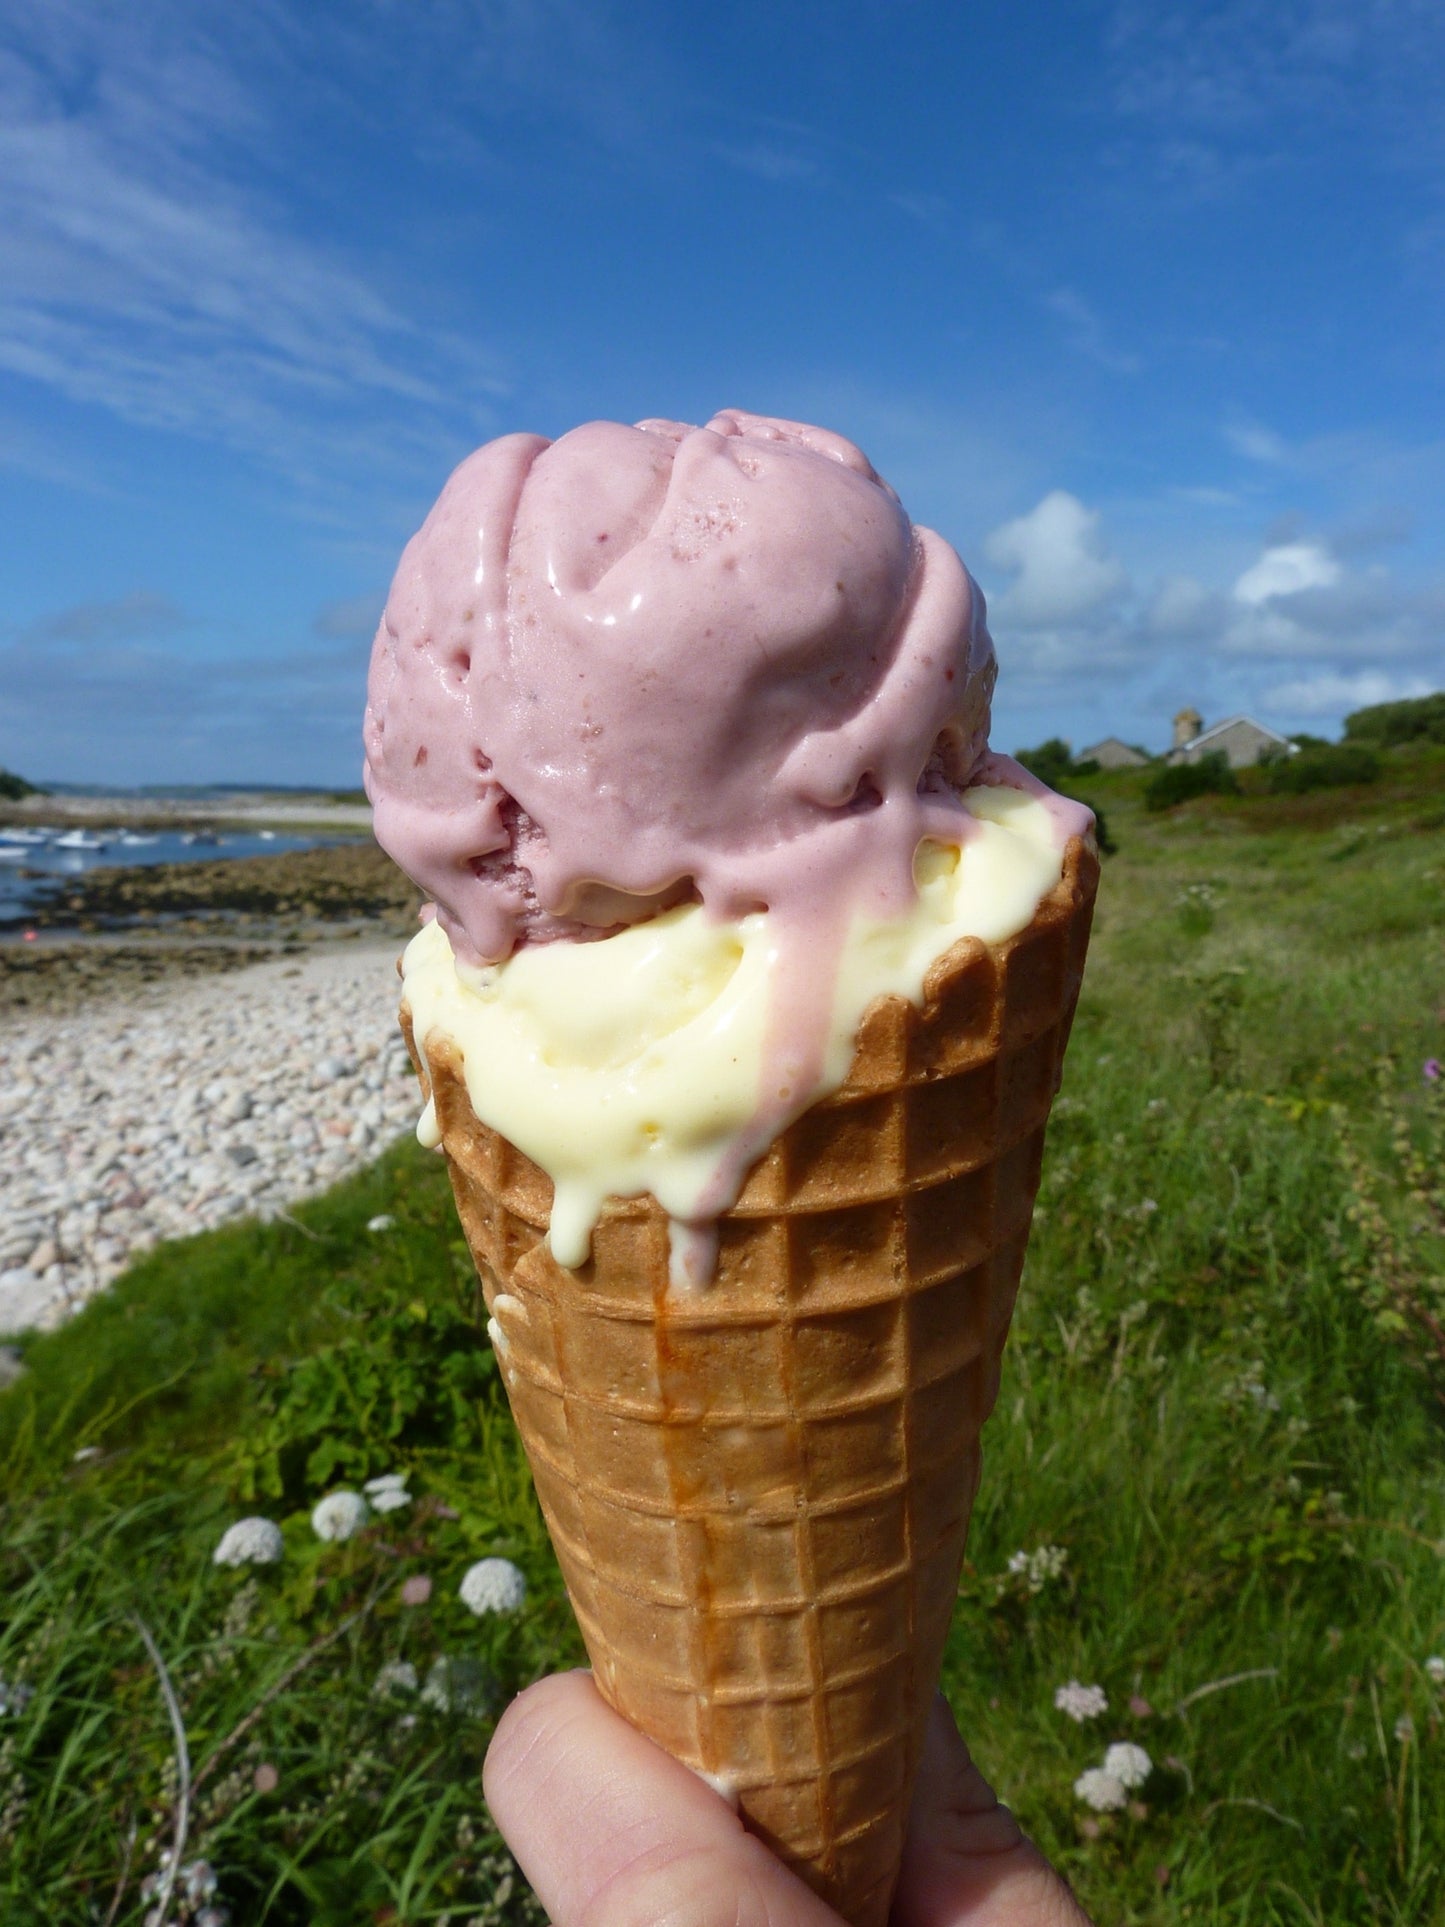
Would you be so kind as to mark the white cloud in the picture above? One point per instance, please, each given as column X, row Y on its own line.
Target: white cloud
column 1285, row 570
column 1257, row 443
column 1331, row 693
column 1063, row 571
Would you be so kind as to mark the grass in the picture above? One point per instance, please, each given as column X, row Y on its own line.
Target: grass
column 1222, row 1408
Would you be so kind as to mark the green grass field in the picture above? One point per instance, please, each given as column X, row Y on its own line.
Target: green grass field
column 1219, row 1443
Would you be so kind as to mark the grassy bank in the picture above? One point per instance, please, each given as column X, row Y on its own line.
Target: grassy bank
column 1218, row 1446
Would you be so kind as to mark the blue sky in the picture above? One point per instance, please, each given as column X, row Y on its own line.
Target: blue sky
column 1141, row 305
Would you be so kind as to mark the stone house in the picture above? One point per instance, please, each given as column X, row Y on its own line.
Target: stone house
column 1243, row 741
column 1112, row 753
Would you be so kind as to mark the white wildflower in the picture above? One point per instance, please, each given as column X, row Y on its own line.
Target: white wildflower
column 383, row 1221
column 397, row 1676
column 250, row 1542
column 388, row 1493
column 493, row 1586
column 1404, row 1729
column 458, row 1685
column 1038, row 1567
column 15, row 1696
column 1435, row 1669
column 339, row 1515
column 1081, row 1702
column 198, row 1882
column 1130, row 1765
column 1101, row 1791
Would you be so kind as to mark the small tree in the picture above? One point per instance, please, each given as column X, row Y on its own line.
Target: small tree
column 1421, row 720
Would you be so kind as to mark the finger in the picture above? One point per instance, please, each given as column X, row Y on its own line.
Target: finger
column 610, row 1830
column 966, row 1862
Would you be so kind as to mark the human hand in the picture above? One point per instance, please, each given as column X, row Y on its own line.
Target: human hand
column 612, row 1832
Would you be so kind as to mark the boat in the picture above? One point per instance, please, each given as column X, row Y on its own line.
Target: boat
column 199, row 836
column 81, row 840
column 132, row 840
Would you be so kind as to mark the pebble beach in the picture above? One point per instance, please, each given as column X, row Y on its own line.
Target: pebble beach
column 178, row 1106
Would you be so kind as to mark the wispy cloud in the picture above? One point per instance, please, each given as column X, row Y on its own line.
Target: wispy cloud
column 142, row 613
column 1227, row 82
column 1257, row 443
column 1331, row 692
column 1086, row 332
column 143, row 277
column 769, row 161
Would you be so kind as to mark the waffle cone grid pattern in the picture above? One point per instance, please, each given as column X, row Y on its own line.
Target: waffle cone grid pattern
column 759, row 1491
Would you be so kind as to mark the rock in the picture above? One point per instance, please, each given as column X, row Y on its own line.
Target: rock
column 132, row 1140
column 23, row 1298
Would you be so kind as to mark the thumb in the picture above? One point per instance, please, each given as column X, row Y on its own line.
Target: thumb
column 966, row 1862
column 610, row 1830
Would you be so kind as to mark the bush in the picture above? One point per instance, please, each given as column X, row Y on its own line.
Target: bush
column 1324, row 769
column 13, row 787
column 1053, row 763
column 1386, row 724
column 1178, row 782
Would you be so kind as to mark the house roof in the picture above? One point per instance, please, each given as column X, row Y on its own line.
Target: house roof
column 1218, row 729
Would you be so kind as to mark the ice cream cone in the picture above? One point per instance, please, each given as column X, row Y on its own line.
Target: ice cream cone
column 759, row 1490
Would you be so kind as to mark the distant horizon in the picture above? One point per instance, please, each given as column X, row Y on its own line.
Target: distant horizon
column 160, row 791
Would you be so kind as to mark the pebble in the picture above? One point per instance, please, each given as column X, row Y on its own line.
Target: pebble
column 186, row 1105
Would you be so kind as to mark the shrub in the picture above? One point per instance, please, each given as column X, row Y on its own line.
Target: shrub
column 13, row 787
column 1421, row 720
column 1323, row 769
column 1053, row 763
column 1178, row 782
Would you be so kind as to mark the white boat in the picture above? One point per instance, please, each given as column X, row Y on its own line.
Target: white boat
column 81, row 840
column 15, row 834
column 11, row 854
column 132, row 840
column 205, row 837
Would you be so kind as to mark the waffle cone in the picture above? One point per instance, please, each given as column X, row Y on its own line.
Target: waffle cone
column 759, row 1492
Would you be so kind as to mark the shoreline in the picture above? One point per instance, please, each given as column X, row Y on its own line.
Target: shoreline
column 238, row 809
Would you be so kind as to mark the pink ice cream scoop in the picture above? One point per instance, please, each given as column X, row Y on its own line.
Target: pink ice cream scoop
column 638, row 665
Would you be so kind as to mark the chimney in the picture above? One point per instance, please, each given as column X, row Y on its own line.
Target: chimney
column 1187, row 725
